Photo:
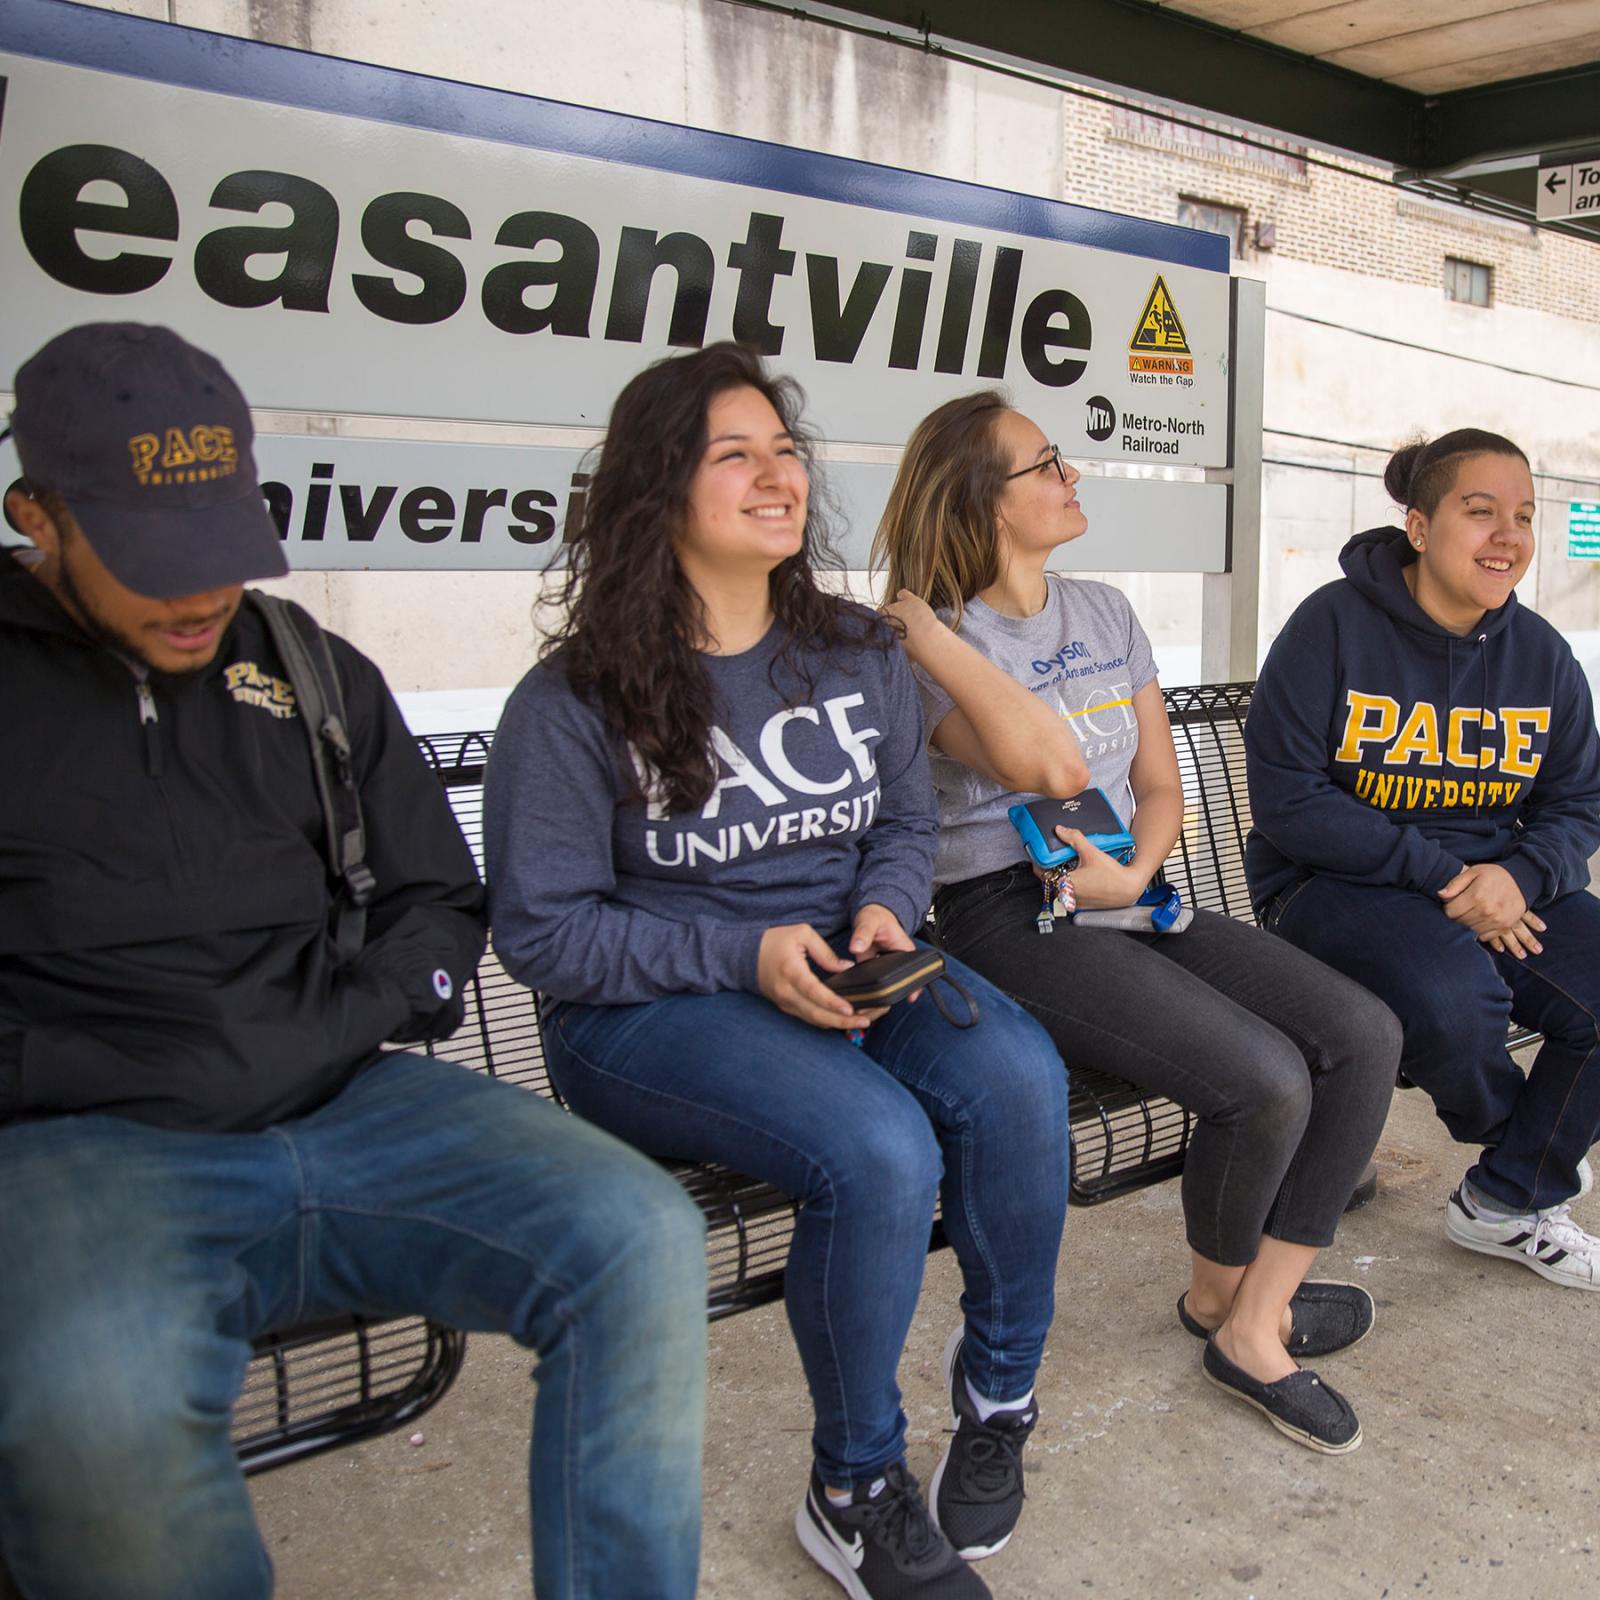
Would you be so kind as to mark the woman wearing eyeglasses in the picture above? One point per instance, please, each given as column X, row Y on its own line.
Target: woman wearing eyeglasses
column 1034, row 685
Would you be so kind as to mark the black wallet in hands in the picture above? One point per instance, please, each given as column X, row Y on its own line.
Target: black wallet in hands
column 882, row 979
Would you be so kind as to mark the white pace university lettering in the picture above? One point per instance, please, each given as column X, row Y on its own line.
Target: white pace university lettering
column 745, row 773
column 774, row 780
column 776, row 758
column 686, row 848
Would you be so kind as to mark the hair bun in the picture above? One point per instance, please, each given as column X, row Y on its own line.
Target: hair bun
column 1401, row 469
column 1421, row 473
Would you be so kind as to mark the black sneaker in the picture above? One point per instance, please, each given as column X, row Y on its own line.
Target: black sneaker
column 977, row 1488
column 883, row 1546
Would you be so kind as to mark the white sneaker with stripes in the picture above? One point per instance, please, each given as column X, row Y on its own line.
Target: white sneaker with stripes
column 1549, row 1242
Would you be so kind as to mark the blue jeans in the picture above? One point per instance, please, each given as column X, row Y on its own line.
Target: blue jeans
column 1454, row 998
column 138, row 1263
column 866, row 1140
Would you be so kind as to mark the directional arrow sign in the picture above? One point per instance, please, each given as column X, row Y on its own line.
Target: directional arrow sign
column 1569, row 191
column 1555, row 192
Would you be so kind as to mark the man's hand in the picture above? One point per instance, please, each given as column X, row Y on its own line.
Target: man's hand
column 784, row 974
column 1484, row 898
column 916, row 617
column 1101, row 882
column 1518, row 940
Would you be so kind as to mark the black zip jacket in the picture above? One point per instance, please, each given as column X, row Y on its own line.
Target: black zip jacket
column 166, row 951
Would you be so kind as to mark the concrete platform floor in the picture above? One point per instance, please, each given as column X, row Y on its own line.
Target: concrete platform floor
column 1476, row 1478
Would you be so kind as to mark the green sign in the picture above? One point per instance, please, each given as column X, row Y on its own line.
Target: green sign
column 1583, row 530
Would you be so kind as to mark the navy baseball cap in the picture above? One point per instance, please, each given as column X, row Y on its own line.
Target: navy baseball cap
column 147, row 439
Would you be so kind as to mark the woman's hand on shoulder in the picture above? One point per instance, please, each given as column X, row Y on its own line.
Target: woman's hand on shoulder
column 1101, row 882
column 917, row 617
column 785, row 976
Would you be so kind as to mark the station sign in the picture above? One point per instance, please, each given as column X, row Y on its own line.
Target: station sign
column 350, row 239
column 1569, row 189
column 348, row 504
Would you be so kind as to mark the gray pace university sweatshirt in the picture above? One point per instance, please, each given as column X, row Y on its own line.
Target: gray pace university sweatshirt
column 823, row 805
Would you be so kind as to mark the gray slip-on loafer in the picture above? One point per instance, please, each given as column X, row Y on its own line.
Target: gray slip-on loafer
column 1302, row 1406
column 1326, row 1316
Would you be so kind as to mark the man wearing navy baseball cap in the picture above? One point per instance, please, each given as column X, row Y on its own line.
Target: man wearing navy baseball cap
column 202, row 1136
column 145, row 443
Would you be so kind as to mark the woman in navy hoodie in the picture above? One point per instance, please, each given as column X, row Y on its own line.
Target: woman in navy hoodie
column 1425, row 783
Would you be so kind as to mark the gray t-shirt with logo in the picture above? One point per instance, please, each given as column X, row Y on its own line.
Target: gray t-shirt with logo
column 1086, row 653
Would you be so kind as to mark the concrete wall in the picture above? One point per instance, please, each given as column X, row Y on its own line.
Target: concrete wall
column 1348, row 251
column 1325, row 211
column 1334, row 384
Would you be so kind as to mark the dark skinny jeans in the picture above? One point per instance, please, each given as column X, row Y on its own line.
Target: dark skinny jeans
column 1288, row 1067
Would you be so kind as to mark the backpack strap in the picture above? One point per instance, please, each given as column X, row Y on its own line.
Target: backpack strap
column 303, row 649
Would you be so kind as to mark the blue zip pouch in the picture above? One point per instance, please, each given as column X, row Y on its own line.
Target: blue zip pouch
column 1090, row 812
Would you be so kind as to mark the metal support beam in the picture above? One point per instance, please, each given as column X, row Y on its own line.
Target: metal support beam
column 1135, row 47
column 1230, row 601
column 1522, row 116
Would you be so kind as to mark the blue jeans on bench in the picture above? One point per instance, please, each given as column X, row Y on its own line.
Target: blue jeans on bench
column 866, row 1140
column 137, row 1264
column 1454, row 998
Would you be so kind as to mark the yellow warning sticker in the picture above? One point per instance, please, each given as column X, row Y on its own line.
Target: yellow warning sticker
column 1159, row 343
column 1160, row 327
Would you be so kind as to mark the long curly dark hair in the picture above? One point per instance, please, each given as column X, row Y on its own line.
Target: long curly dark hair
column 629, row 642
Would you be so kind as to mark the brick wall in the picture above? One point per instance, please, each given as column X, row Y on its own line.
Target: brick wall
column 1126, row 159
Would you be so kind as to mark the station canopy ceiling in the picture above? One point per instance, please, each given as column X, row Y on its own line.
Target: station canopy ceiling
column 1461, row 99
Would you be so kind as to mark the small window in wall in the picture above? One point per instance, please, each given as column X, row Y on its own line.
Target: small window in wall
column 1210, row 217
column 1467, row 281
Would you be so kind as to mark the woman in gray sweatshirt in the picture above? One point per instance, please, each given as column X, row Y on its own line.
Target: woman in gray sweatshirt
column 710, row 795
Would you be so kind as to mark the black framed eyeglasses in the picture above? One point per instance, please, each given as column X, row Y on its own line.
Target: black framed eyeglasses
column 1051, row 460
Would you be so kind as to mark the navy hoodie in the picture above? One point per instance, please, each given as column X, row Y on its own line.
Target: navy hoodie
column 1385, row 749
